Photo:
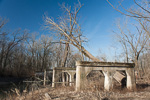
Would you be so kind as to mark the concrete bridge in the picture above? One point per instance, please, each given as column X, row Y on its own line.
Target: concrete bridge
column 109, row 69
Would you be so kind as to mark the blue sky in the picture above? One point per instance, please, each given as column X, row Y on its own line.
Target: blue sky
column 97, row 18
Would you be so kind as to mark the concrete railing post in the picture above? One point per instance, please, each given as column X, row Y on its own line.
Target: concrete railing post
column 131, row 85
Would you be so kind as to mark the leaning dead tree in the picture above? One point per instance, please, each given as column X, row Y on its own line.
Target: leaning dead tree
column 69, row 28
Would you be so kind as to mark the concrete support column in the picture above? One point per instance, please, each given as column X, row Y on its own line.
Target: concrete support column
column 108, row 82
column 67, row 79
column 44, row 82
column 55, row 77
column 71, row 78
column 63, row 79
column 80, row 78
column 131, row 85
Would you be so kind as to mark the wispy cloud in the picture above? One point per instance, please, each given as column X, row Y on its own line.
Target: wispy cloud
column 94, row 30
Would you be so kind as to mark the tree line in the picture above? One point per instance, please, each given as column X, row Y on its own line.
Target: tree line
column 22, row 53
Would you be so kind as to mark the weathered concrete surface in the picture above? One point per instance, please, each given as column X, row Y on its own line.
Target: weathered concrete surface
column 108, row 68
column 80, row 77
column 130, row 79
column 104, row 64
column 71, row 77
column 57, row 71
column 55, row 77
column 64, row 68
column 119, row 76
column 108, row 82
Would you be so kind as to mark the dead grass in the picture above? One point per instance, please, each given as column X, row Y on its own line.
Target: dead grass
column 90, row 93
column 68, row 93
column 94, row 91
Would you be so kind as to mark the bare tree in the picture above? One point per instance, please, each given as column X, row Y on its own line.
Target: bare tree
column 8, row 44
column 101, row 55
column 69, row 28
column 66, row 52
column 32, row 52
column 143, row 6
column 133, row 42
column 44, row 49
column 2, row 23
column 141, row 12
